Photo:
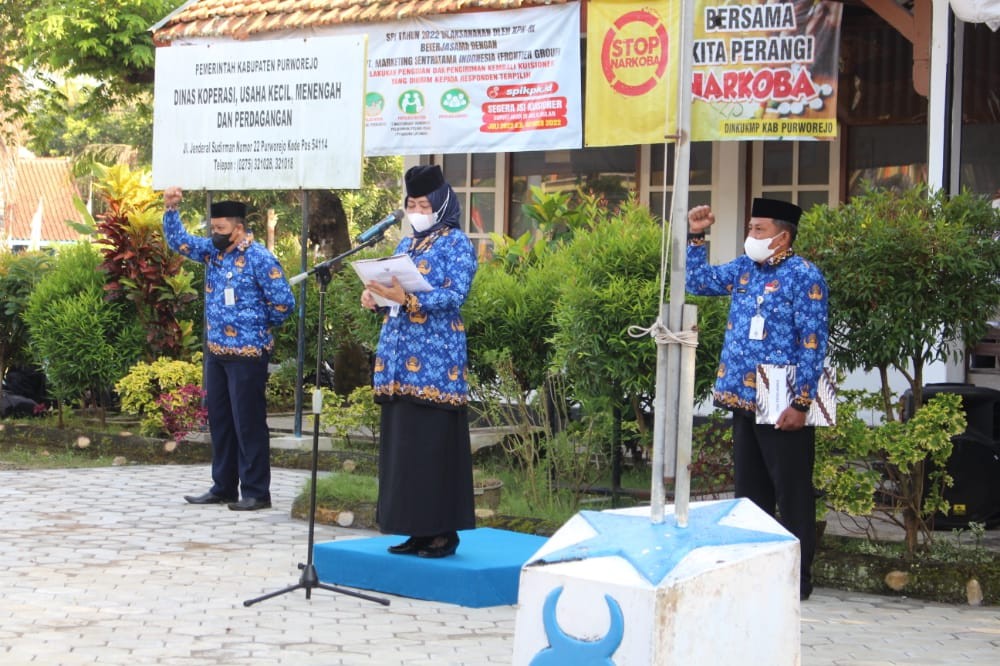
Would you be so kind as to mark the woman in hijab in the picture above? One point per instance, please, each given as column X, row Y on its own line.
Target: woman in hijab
column 425, row 458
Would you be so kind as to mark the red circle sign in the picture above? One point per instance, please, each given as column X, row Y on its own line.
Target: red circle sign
column 636, row 43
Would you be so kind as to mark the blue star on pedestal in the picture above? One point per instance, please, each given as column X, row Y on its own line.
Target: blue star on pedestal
column 655, row 549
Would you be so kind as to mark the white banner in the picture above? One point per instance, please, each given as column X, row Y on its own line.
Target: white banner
column 275, row 115
column 502, row 81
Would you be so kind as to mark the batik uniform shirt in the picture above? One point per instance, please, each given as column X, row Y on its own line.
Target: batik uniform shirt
column 791, row 295
column 421, row 351
column 262, row 297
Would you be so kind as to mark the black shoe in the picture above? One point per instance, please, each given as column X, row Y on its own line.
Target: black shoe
column 442, row 545
column 250, row 504
column 410, row 546
column 208, row 498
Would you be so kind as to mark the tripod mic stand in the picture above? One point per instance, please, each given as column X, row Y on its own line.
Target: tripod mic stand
column 309, row 579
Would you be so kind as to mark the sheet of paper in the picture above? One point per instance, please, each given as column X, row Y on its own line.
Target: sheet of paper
column 382, row 270
column 777, row 395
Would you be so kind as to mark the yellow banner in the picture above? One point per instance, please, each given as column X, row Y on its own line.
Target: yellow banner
column 765, row 70
column 632, row 65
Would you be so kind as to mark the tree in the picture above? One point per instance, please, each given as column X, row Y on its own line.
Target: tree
column 107, row 41
column 62, row 122
column 335, row 216
column 913, row 279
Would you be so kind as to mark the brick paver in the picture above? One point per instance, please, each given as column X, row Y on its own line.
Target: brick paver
column 111, row 566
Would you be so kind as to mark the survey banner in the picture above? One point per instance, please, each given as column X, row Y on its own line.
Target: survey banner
column 502, row 81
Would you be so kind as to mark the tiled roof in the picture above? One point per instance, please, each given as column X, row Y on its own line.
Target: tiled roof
column 238, row 19
column 47, row 180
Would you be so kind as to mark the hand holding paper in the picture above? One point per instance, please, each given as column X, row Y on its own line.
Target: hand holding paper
column 382, row 271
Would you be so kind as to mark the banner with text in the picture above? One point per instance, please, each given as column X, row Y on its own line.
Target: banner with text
column 632, row 71
column 280, row 114
column 765, row 70
column 502, row 81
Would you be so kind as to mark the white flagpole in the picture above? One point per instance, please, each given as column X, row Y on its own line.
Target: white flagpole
column 675, row 367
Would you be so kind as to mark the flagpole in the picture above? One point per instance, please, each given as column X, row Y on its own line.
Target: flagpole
column 675, row 359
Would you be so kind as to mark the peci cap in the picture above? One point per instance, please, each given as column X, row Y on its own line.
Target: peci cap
column 229, row 209
column 422, row 180
column 776, row 210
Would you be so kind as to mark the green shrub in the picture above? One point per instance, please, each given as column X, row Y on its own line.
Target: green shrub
column 358, row 415
column 281, row 388
column 83, row 342
column 140, row 389
column 19, row 273
column 864, row 470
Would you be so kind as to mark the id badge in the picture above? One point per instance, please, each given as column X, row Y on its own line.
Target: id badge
column 757, row 328
column 230, row 296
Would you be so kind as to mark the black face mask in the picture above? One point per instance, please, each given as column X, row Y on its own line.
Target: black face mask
column 221, row 241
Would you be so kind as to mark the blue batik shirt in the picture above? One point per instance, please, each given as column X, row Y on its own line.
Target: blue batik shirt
column 262, row 297
column 421, row 351
column 791, row 295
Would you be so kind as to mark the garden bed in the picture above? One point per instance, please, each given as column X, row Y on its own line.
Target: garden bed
column 840, row 564
column 136, row 449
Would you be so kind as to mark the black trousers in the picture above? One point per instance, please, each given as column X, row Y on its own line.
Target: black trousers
column 237, row 419
column 774, row 469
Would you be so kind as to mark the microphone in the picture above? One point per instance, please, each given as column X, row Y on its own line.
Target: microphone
column 373, row 232
column 377, row 230
column 298, row 278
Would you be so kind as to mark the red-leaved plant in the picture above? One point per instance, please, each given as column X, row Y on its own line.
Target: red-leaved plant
column 140, row 267
column 182, row 410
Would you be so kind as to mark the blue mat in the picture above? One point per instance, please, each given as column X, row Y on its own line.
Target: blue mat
column 483, row 572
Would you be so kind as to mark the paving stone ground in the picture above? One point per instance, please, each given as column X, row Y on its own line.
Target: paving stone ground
column 111, row 566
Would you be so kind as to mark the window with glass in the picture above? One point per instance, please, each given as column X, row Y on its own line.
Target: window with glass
column 888, row 156
column 661, row 185
column 980, row 166
column 803, row 172
column 609, row 173
column 473, row 176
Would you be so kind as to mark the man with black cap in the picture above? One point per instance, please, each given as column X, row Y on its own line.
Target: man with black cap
column 420, row 378
column 246, row 294
column 777, row 315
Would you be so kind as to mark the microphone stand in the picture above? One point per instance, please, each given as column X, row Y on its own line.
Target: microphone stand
column 309, row 579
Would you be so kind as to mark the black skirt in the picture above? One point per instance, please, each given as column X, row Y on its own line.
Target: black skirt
column 425, row 470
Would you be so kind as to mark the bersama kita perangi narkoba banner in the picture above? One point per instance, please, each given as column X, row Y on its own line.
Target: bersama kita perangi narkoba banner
column 765, row 70
column 760, row 70
column 502, row 81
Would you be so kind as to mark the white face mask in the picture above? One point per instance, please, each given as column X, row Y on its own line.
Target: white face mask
column 759, row 249
column 421, row 221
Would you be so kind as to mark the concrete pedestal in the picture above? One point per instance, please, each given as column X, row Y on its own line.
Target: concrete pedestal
column 612, row 588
